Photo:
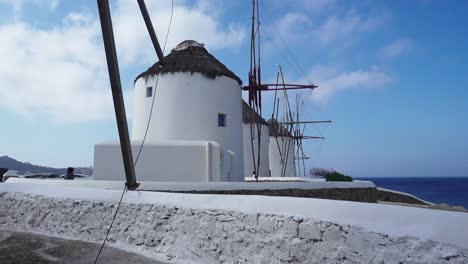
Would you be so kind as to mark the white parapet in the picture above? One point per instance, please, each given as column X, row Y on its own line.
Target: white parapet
column 172, row 161
column 249, row 184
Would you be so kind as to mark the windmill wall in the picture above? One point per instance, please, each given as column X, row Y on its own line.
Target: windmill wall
column 186, row 107
column 281, row 153
column 188, row 112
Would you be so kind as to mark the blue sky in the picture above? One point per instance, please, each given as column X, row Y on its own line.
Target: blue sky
column 391, row 75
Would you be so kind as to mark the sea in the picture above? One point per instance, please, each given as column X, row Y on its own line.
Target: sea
column 448, row 190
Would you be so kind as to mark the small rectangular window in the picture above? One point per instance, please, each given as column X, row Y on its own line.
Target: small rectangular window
column 149, row 91
column 221, row 120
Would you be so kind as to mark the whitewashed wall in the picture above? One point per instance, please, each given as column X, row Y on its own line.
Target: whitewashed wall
column 275, row 156
column 264, row 170
column 172, row 161
column 186, row 107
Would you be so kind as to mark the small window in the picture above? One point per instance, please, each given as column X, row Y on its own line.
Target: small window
column 221, row 120
column 149, row 91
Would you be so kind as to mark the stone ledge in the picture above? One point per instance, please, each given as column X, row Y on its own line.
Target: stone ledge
column 394, row 197
column 217, row 236
column 368, row 195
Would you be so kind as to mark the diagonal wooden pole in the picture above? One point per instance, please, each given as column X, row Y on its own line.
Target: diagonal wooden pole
column 151, row 32
column 116, row 86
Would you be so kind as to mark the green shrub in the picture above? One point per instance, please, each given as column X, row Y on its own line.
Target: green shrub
column 320, row 172
column 336, row 176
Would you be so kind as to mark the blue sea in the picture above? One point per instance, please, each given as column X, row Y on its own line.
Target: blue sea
column 449, row 190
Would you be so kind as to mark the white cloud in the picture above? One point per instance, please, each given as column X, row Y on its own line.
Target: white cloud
column 331, row 81
column 333, row 31
column 292, row 22
column 347, row 28
column 396, row 48
column 193, row 22
column 289, row 28
column 311, row 6
column 17, row 5
column 317, row 6
column 61, row 72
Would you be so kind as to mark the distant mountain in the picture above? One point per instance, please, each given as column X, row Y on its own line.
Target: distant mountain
column 24, row 168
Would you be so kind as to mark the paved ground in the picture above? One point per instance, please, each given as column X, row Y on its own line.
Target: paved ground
column 20, row 247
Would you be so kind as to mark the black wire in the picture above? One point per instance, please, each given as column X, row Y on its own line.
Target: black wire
column 142, row 143
column 292, row 57
column 110, row 227
column 155, row 89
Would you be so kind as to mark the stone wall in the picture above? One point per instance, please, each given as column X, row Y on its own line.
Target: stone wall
column 216, row 236
column 368, row 195
column 397, row 198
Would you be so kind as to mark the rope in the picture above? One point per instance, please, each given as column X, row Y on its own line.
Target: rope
column 141, row 146
column 254, row 82
column 253, row 151
column 110, row 227
column 155, row 89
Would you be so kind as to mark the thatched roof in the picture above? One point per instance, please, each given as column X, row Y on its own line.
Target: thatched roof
column 191, row 56
column 249, row 116
column 277, row 130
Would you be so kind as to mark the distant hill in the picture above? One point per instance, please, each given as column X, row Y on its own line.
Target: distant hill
column 24, row 168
